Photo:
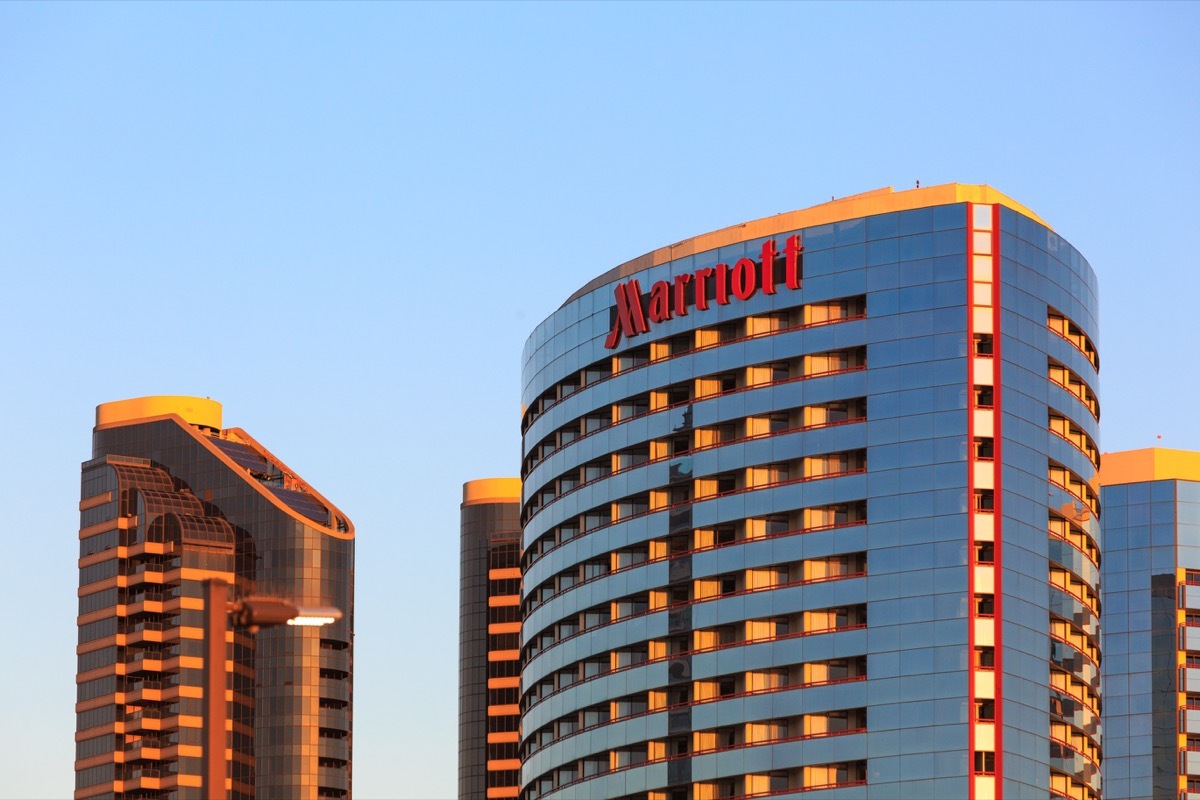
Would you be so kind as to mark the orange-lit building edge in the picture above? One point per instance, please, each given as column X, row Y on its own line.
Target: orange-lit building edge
column 146, row 543
column 490, row 621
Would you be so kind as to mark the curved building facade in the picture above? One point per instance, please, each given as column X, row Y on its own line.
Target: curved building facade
column 168, row 500
column 489, row 638
column 809, row 506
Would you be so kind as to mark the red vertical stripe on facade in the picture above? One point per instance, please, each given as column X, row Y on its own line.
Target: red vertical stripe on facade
column 971, row 666
column 998, row 510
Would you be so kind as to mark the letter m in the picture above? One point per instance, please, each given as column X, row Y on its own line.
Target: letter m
column 630, row 318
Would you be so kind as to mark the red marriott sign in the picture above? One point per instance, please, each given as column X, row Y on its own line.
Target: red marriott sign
column 717, row 284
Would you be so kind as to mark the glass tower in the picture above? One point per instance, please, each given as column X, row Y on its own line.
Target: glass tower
column 808, row 506
column 169, row 499
column 489, row 664
column 1151, row 624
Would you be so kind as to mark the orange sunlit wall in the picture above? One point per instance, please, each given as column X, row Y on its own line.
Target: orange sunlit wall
column 139, row 635
column 490, row 640
column 168, row 499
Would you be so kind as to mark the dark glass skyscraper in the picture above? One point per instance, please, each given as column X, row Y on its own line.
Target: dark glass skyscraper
column 169, row 499
column 489, row 663
column 808, row 506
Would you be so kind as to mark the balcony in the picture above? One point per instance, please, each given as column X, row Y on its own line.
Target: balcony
column 144, row 573
column 144, row 661
column 146, row 606
column 150, row 719
column 156, row 595
column 333, row 778
column 335, row 689
column 151, row 548
column 335, row 659
column 144, row 631
column 151, row 749
column 139, row 777
column 151, row 690
column 337, row 718
column 333, row 748
column 154, row 600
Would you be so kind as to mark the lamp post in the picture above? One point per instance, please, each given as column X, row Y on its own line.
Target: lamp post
column 254, row 613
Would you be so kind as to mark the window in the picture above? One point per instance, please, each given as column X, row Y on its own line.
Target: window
column 835, row 310
column 1067, row 379
column 1057, row 322
column 679, row 695
column 841, row 774
column 985, row 709
column 985, row 761
column 835, row 361
column 985, row 448
column 985, row 605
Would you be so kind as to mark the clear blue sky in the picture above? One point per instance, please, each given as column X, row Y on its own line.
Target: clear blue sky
column 343, row 221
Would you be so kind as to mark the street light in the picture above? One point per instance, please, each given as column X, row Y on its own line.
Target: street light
column 253, row 613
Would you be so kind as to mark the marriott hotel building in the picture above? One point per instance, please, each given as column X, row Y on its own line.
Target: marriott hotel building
column 809, row 505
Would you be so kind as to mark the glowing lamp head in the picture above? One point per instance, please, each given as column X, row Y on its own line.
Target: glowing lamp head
column 315, row 617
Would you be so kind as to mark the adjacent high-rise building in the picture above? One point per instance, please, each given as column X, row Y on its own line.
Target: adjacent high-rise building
column 489, row 664
column 1151, row 570
column 808, row 506
column 169, row 499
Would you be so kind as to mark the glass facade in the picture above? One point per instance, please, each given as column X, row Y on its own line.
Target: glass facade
column 166, row 503
column 489, row 676
column 1151, row 608
column 817, row 519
